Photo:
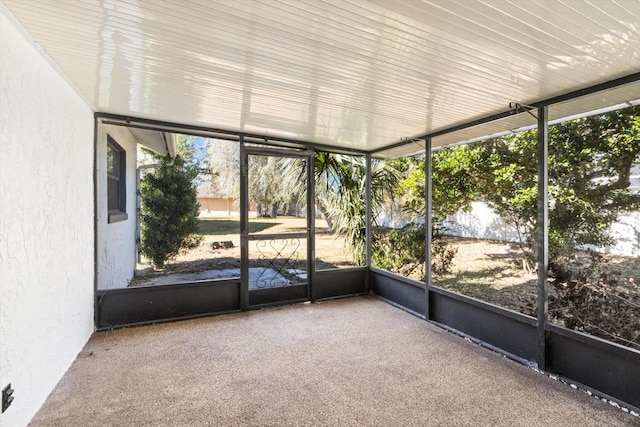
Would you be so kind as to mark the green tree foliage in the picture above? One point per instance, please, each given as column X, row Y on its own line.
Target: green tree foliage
column 326, row 174
column 590, row 164
column 350, row 212
column 453, row 184
column 340, row 194
column 223, row 158
column 169, row 208
column 345, row 195
column 505, row 172
column 403, row 250
column 267, row 188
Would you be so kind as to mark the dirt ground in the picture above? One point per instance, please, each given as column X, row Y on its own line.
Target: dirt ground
column 605, row 304
column 331, row 251
column 490, row 271
column 493, row 271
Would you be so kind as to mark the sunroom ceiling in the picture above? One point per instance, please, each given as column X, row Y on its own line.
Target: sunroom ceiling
column 355, row 75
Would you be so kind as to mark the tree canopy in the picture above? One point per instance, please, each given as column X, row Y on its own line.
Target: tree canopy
column 340, row 193
column 590, row 164
column 168, row 205
column 223, row 158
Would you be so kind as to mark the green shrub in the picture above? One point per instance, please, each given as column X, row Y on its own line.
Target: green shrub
column 402, row 250
column 169, row 210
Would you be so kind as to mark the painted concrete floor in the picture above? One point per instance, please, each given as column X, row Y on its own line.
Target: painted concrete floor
column 350, row 362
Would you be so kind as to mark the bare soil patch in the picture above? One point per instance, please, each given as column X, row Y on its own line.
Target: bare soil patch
column 601, row 298
column 490, row 271
column 493, row 272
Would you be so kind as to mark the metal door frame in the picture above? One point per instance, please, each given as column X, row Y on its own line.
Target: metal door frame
column 245, row 236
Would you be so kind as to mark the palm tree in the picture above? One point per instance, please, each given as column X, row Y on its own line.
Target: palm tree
column 340, row 193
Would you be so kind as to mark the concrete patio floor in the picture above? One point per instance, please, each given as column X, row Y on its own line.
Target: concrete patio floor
column 354, row 361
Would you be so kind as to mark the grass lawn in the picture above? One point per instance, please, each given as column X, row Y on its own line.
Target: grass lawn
column 212, row 227
column 216, row 227
column 331, row 251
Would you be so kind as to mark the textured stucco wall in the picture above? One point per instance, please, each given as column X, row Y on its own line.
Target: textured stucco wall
column 46, row 223
column 116, row 241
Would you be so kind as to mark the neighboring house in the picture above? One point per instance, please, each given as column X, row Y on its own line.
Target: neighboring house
column 211, row 204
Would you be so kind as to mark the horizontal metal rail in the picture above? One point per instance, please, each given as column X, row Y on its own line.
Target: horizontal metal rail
column 606, row 369
column 301, row 235
column 213, row 132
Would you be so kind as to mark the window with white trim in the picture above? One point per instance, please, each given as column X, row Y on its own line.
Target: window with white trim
column 116, row 181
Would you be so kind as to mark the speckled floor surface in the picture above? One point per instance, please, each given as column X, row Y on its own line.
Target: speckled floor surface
column 355, row 361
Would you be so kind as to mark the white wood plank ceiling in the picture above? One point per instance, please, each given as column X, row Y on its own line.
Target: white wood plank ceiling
column 352, row 74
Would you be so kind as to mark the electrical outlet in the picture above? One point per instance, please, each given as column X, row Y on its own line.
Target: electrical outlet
column 7, row 397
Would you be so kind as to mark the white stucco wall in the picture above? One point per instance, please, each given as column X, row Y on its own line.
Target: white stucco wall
column 116, row 241
column 46, row 223
column 626, row 233
column 481, row 222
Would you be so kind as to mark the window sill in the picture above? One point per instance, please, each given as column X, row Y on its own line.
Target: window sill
column 116, row 216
